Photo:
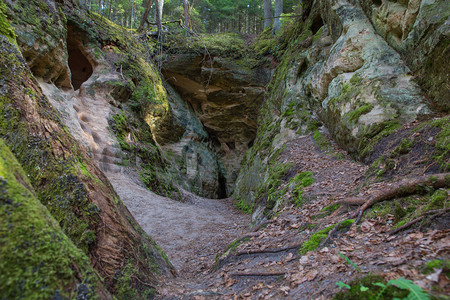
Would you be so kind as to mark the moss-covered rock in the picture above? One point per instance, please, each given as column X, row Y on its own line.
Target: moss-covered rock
column 38, row 260
column 420, row 27
column 67, row 182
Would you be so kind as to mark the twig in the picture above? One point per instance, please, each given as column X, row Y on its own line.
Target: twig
column 258, row 274
column 257, row 228
column 436, row 212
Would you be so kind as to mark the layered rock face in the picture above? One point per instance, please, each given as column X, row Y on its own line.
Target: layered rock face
column 357, row 67
column 92, row 224
column 225, row 95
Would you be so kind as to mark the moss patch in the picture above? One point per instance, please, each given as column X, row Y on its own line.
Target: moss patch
column 315, row 240
column 5, row 27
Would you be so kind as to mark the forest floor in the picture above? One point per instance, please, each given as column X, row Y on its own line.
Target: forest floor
column 266, row 262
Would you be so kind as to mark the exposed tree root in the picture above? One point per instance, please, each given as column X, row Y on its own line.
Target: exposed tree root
column 330, row 234
column 434, row 213
column 399, row 189
column 237, row 274
column 269, row 250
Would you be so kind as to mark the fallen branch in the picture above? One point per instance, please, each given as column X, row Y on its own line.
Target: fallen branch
column 436, row 213
column 399, row 189
column 258, row 274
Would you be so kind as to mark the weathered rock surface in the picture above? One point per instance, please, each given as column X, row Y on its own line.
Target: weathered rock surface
column 225, row 95
column 350, row 73
column 419, row 31
column 66, row 179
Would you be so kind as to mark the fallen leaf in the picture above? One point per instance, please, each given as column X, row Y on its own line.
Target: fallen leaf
column 285, row 289
column 311, row 275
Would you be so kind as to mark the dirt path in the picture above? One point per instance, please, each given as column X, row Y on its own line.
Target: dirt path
column 191, row 233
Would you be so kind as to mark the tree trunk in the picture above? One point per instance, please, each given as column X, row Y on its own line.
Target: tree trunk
column 278, row 12
column 145, row 15
column 110, row 9
column 267, row 13
column 186, row 13
column 159, row 12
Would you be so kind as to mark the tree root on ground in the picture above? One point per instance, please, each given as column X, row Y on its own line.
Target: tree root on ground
column 435, row 213
column 269, row 250
column 398, row 189
column 405, row 187
column 238, row 274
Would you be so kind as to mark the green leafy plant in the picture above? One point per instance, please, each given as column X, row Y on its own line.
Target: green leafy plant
column 349, row 262
column 372, row 287
column 415, row 291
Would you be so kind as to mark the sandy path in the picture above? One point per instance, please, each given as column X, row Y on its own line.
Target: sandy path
column 191, row 233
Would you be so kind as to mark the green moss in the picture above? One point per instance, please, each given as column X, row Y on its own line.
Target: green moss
column 403, row 148
column 299, row 182
column 438, row 200
column 346, row 224
column 373, row 134
column 243, row 206
column 353, row 115
column 318, row 34
column 442, row 144
column 315, row 240
column 321, row 141
column 331, row 208
column 123, row 281
column 5, row 27
column 38, row 260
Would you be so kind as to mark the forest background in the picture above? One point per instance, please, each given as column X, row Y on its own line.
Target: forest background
column 201, row 16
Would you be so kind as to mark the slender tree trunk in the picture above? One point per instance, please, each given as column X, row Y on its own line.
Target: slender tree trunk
column 145, row 15
column 186, row 13
column 110, row 9
column 278, row 12
column 267, row 13
column 159, row 13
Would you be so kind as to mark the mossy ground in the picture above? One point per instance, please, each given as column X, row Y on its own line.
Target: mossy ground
column 318, row 237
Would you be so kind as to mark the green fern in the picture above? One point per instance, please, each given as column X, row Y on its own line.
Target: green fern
column 415, row 292
column 350, row 262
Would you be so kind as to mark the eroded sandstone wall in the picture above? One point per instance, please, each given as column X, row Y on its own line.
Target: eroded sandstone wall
column 359, row 69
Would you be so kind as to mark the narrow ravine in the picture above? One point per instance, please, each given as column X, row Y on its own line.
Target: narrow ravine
column 192, row 232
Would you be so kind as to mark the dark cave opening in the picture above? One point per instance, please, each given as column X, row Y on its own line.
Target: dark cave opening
column 80, row 67
column 316, row 24
column 222, row 192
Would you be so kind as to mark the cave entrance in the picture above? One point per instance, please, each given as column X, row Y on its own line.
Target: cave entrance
column 80, row 67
